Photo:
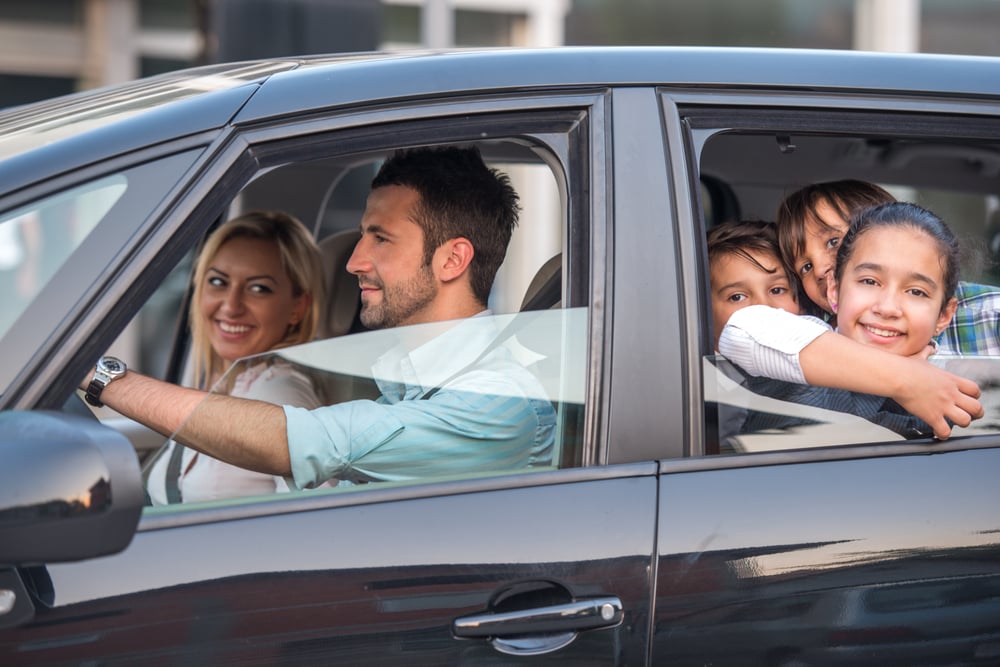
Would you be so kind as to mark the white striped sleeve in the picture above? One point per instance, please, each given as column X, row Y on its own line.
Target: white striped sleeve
column 766, row 341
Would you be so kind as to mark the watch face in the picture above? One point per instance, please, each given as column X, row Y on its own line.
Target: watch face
column 112, row 365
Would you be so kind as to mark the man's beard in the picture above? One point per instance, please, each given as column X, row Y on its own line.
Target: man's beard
column 400, row 302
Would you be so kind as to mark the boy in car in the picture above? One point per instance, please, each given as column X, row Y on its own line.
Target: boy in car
column 745, row 269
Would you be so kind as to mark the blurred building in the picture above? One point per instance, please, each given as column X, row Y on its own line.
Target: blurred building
column 60, row 46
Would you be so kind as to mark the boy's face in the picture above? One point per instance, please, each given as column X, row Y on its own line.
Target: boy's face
column 738, row 283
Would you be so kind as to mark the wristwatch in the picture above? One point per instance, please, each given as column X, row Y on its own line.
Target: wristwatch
column 108, row 370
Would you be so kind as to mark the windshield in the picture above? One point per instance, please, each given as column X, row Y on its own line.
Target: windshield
column 35, row 240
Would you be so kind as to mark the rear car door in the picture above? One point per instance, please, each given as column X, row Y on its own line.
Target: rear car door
column 794, row 546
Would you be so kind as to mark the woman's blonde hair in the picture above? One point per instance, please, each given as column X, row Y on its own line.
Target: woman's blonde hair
column 300, row 258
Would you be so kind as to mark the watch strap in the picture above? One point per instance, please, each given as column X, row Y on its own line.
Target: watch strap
column 93, row 394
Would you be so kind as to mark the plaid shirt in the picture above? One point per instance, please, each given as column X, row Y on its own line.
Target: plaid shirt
column 975, row 329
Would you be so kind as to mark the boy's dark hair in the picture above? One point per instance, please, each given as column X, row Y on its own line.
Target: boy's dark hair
column 459, row 197
column 907, row 216
column 846, row 197
column 741, row 237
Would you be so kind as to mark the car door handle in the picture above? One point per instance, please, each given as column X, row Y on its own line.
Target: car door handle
column 577, row 616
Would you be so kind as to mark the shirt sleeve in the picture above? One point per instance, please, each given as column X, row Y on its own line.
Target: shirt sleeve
column 478, row 424
column 765, row 341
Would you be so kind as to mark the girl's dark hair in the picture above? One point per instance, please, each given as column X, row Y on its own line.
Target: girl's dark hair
column 908, row 216
column 845, row 196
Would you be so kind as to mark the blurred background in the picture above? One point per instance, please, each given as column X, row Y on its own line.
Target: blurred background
column 54, row 47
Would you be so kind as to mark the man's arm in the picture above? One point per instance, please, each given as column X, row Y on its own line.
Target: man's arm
column 245, row 433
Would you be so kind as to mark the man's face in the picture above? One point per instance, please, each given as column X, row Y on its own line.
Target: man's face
column 738, row 283
column 397, row 288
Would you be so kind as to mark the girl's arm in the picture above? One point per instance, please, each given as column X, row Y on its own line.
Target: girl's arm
column 773, row 343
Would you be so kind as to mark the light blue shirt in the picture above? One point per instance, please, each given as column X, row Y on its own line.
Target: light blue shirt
column 490, row 414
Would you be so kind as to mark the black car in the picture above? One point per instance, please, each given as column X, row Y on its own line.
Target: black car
column 645, row 542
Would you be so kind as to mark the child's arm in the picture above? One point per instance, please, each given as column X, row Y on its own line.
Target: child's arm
column 773, row 343
column 922, row 389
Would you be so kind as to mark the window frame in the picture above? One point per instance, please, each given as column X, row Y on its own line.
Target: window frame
column 704, row 115
column 568, row 128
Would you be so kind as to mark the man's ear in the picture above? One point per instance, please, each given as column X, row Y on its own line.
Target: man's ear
column 454, row 257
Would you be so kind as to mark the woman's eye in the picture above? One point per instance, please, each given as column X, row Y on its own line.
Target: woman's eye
column 261, row 289
column 216, row 281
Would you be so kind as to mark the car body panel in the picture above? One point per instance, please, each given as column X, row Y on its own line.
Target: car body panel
column 363, row 582
column 774, row 563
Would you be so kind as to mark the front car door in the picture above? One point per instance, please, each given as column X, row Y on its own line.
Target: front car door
column 391, row 573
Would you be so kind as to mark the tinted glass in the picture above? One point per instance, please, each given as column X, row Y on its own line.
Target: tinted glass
column 450, row 399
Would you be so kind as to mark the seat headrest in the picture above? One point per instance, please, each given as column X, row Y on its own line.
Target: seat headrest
column 545, row 289
column 343, row 295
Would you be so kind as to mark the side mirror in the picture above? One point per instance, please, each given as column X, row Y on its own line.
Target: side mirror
column 70, row 489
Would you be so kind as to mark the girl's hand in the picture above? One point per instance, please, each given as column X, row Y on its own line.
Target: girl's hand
column 936, row 396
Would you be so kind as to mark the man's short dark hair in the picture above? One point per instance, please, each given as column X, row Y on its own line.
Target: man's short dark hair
column 459, row 197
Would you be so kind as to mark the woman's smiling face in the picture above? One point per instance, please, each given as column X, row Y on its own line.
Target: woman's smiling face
column 891, row 291
column 247, row 300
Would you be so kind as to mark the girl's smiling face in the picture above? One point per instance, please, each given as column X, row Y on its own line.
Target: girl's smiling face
column 891, row 290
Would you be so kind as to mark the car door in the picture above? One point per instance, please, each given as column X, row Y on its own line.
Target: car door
column 796, row 546
column 553, row 562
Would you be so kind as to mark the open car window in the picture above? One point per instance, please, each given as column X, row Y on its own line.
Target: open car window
column 489, row 395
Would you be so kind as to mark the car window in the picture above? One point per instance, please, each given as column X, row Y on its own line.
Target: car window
column 506, row 370
column 530, row 328
column 35, row 240
column 753, row 171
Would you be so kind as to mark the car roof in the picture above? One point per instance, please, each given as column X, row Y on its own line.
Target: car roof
column 70, row 131
column 394, row 76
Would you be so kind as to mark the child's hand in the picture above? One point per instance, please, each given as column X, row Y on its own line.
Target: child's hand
column 936, row 396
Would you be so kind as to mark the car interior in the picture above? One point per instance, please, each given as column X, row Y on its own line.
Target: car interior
column 329, row 195
column 745, row 174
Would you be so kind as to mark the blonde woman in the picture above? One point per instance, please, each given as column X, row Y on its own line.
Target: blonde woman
column 257, row 287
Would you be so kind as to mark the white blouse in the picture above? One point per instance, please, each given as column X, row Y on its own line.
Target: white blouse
column 204, row 478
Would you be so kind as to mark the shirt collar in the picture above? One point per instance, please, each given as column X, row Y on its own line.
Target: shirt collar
column 410, row 373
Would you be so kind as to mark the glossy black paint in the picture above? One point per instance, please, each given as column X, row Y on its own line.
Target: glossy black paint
column 870, row 561
column 71, row 489
column 357, row 584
